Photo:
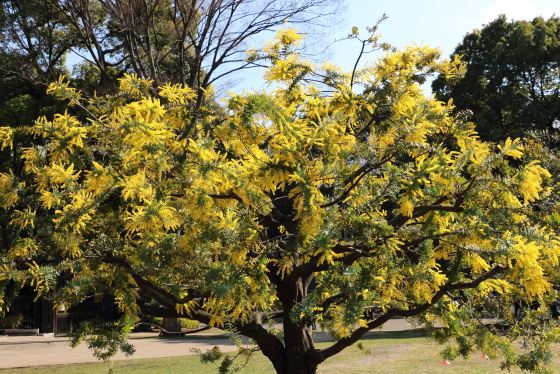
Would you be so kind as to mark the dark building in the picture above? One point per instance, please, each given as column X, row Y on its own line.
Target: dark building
column 39, row 314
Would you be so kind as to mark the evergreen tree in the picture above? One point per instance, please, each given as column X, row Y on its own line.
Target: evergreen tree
column 512, row 82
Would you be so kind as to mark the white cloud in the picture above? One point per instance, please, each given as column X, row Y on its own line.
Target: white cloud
column 516, row 9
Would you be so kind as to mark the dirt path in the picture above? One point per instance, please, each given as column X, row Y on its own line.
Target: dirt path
column 35, row 351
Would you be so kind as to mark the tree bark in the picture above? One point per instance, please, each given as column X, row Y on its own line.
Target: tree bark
column 172, row 324
column 298, row 339
column 299, row 344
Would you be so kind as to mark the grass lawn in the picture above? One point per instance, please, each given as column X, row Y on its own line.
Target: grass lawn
column 395, row 352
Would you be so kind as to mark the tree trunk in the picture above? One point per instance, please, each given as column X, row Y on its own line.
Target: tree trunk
column 295, row 356
column 299, row 344
column 172, row 324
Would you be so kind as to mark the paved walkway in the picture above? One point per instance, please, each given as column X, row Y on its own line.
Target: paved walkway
column 22, row 351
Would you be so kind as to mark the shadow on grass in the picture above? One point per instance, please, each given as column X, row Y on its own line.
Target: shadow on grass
column 372, row 335
column 404, row 334
column 195, row 337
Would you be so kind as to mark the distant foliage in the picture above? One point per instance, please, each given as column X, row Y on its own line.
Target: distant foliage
column 512, row 81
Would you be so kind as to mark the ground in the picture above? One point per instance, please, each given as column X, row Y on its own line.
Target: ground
column 397, row 349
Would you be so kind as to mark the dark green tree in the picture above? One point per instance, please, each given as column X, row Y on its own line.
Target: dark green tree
column 512, row 82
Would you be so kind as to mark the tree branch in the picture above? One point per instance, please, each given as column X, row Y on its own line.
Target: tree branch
column 354, row 180
column 321, row 355
column 313, row 266
column 419, row 211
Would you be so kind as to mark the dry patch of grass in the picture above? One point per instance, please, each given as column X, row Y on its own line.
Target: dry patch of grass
column 409, row 352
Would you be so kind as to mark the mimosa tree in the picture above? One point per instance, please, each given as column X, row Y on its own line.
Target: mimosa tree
column 334, row 192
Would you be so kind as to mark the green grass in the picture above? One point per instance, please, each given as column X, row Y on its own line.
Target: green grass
column 397, row 352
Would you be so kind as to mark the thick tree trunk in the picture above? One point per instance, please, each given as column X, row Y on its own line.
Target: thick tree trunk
column 299, row 344
column 295, row 356
column 172, row 324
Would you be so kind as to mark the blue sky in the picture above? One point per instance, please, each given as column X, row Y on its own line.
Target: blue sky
column 437, row 23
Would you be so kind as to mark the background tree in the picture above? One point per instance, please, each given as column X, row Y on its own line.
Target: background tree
column 34, row 43
column 512, row 83
column 310, row 202
column 192, row 42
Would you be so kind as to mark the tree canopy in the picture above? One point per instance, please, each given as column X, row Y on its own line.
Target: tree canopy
column 196, row 43
column 512, row 82
column 334, row 192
